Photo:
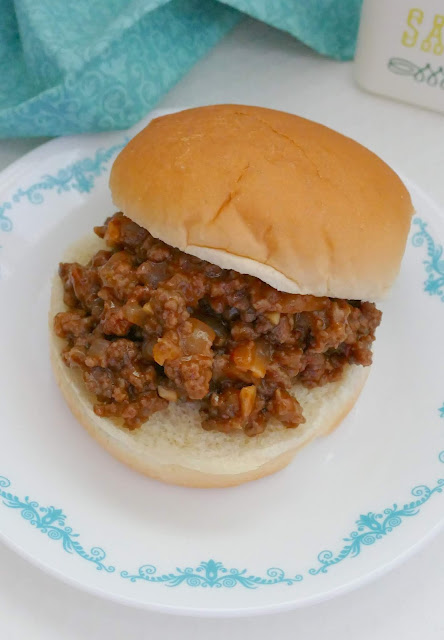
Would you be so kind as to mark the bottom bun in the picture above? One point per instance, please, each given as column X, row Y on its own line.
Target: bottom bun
column 172, row 446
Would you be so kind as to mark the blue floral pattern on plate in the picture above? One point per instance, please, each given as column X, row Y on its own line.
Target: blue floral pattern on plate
column 434, row 285
column 211, row 574
column 51, row 522
column 374, row 526
column 79, row 176
column 370, row 528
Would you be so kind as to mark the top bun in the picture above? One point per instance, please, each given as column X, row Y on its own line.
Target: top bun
column 267, row 193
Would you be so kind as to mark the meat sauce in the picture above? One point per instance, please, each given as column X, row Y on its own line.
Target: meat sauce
column 148, row 324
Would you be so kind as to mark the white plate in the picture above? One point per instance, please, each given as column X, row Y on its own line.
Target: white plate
column 348, row 508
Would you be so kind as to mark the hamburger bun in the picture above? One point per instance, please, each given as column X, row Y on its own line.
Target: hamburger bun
column 265, row 193
column 172, row 446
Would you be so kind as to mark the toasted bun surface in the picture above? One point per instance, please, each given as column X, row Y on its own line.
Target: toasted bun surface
column 270, row 194
column 173, row 447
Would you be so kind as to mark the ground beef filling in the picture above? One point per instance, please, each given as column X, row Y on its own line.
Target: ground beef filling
column 148, row 324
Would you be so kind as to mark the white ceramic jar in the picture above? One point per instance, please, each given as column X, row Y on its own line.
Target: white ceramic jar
column 400, row 51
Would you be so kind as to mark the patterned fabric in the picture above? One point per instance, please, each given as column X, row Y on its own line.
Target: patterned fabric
column 328, row 26
column 70, row 66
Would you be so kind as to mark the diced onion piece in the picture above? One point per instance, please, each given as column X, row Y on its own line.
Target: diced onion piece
column 165, row 350
column 98, row 347
column 148, row 308
column 247, row 357
column 243, row 355
column 274, row 317
column 259, row 366
column 148, row 346
column 134, row 313
column 203, row 328
column 199, row 341
column 113, row 231
column 167, row 394
column 247, row 400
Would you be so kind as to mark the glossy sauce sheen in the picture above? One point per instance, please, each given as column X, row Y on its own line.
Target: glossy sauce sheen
column 148, row 324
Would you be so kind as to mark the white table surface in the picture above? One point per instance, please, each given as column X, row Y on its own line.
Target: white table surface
column 259, row 65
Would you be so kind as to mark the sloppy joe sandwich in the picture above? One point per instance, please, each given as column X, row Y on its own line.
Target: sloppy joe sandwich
column 225, row 316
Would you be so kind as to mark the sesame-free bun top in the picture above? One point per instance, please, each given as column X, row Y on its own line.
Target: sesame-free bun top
column 267, row 193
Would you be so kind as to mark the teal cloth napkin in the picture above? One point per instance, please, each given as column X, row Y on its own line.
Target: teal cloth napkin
column 70, row 66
